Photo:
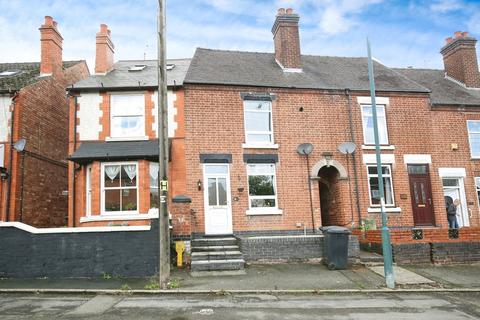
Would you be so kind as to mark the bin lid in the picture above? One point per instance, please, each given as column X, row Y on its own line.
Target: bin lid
column 336, row 229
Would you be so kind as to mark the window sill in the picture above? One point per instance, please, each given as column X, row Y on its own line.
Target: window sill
column 372, row 147
column 259, row 146
column 263, row 212
column 119, row 217
column 387, row 209
column 142, row 138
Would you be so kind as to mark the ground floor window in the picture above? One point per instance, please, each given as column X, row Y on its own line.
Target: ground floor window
column 262, row 186
column 374, row 185
column 154, row 197
column 120, row 187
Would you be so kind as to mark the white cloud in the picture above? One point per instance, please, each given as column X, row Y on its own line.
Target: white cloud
column 443, row 6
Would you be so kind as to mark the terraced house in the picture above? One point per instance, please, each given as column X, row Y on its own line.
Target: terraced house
column 113, row 144
column 247, row 113
column 34, row 133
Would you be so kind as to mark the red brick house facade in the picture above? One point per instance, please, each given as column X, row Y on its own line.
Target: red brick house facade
column 246, row 113
column 34, row 107
column 113, row 144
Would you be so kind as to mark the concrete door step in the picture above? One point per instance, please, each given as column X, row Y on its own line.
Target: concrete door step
column 216, row 255
column 227, row 241
column 217, row 265
column 215, row 248
column 198, row 274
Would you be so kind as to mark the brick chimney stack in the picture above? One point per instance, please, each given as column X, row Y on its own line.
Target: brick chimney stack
column 104, row 50
column 51, row 48
column 287, row 39
column 460, row 59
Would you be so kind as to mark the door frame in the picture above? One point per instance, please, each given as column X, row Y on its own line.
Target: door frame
column 463, row 199
column 429, row 182
column 205, row 197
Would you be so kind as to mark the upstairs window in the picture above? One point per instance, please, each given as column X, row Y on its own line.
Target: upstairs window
column 258, row 122
column 127, row 116
column 367, row 117
column 474, row 138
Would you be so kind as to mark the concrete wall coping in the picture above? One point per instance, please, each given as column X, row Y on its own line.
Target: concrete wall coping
column 283, row 237
column 30, row 229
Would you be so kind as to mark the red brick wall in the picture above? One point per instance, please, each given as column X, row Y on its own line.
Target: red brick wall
column 41, row 117
column 214, row 124
column 429, row 235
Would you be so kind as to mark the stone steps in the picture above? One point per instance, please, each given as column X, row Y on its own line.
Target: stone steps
column 220, row 253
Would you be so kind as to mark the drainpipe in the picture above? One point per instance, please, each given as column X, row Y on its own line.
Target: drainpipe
column 354, row 160
column 75, row 102
column 10, row 156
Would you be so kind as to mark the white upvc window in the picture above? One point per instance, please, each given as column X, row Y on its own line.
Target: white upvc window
column 127, row 116
column 120, row 188
column 373, row 185
column 477, row 188
column 367, row 120
column 154, row 196
column 262, row 188
column 258, row 123
column 474, row 137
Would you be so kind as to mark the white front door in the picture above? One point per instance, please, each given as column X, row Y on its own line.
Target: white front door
column 218, row 210
column 454, row 189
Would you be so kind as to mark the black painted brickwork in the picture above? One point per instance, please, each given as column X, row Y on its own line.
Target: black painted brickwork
column 71, row 255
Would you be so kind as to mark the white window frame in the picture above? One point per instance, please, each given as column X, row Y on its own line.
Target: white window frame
column 384, row 106
column 476, row 181
column 102, row 191
column 383, row 175
column 246, row 132
column 263, row 210
column 88, row 191
column 469, row 140
column 152, row 187
column 113, row 136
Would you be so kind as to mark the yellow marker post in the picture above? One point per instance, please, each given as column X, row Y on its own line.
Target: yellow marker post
column 180, row 248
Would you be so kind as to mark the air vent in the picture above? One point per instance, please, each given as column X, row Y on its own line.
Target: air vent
column 137, row 67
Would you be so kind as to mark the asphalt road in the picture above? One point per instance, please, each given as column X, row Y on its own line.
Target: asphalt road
column 215, row 307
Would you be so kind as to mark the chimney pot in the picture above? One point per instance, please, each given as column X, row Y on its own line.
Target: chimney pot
column 448, row 40
column 281, row 12
column 458, row 34
column 465, row 34
column 48, row 20
column 103, row 28
column 289, row 11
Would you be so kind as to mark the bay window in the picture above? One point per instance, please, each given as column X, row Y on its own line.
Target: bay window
column 120, row 188
column 127, row 116
column 262, row 186
column 373, row 185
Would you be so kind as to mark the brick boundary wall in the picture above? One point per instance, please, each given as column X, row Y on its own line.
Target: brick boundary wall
column 75, row 255
column 289, row 248
column 435, row 246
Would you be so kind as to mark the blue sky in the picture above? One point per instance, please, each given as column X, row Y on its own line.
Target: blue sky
column 403, row 33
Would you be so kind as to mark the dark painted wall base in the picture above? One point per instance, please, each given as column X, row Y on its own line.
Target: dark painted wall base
column 72, row 255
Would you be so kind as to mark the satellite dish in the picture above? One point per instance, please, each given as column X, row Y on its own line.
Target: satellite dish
column 305, row 149
column 347, row 147
column 20, row 145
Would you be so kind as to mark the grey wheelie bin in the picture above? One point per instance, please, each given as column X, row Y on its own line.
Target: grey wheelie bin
column 335, row 247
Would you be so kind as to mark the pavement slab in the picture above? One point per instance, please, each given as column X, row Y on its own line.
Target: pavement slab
column 403, row 276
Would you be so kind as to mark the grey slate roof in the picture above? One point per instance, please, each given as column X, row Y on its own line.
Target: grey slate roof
column 119, row 77
column 29, row 73
column 444, row 91
column 319, row 72
column 122, row 150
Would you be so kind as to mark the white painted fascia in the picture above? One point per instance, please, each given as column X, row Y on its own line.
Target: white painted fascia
column 30, row 229
column 385, row 158
column 378, row 100
column 452, row 172
column 417, row 158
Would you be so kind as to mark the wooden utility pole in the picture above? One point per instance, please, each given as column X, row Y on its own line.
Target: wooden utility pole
column 162, row 117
